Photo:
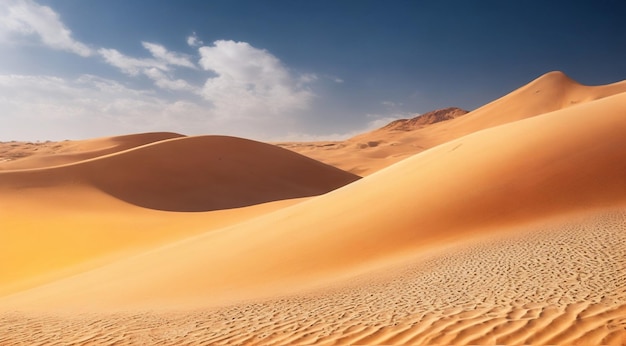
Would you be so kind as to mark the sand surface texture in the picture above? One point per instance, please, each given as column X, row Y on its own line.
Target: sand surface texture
column 508, row 227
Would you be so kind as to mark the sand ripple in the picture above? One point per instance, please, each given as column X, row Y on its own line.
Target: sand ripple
column 562, row 283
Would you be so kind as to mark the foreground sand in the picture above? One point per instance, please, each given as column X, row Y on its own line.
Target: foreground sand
column 563, row 281
column 510, row 230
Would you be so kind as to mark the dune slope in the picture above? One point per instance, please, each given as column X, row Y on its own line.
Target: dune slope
column 567, row 161
column 556, row 282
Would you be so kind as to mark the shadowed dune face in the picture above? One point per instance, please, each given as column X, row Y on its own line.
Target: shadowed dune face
column 18, row 155
column 192, row 174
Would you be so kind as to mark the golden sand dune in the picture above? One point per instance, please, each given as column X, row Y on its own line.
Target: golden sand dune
column 511, row 232
column 21, row 155
column 372, row 151
column 191, row 174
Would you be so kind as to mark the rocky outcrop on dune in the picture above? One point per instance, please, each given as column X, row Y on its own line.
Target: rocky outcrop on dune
column 422, row 120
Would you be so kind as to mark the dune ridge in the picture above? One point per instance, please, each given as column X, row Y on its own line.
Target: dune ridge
column 16, row 155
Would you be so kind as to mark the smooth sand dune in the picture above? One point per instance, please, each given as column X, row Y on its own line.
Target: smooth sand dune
column 26, row 155
column 65, row 219
column 369, row 152
column 191, row 174
column 566, row 161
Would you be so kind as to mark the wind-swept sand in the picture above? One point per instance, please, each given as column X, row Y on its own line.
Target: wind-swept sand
column 559, row 282
column 511, row 234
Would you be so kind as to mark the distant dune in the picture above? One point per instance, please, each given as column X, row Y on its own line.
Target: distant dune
column 20, row 155
column 367, row 153
column 505, row 226
column 192, row 174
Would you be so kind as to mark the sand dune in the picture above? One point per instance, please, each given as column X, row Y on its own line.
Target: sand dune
column 191, row 174
column 21, row 155
column 369, row 152
column 507, row 228
column 61, row 220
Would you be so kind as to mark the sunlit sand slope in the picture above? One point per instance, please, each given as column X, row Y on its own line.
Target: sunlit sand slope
column 372, row 151
column 555, row 282
column 50, row 235
column 568, row 161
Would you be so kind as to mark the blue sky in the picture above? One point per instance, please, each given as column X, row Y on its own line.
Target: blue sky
column 274, row 70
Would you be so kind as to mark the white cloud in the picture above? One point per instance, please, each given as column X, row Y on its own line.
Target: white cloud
column 153, row 68
column 167, row 57
column 194, row 41
column 163, row 81
column 25, row 17
column 307, row 78
column 129, row 65
column 392, row 104
column 250, row 81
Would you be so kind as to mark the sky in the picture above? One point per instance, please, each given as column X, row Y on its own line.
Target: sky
column 280, row 69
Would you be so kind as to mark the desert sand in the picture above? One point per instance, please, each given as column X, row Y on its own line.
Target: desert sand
column 505, row 225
